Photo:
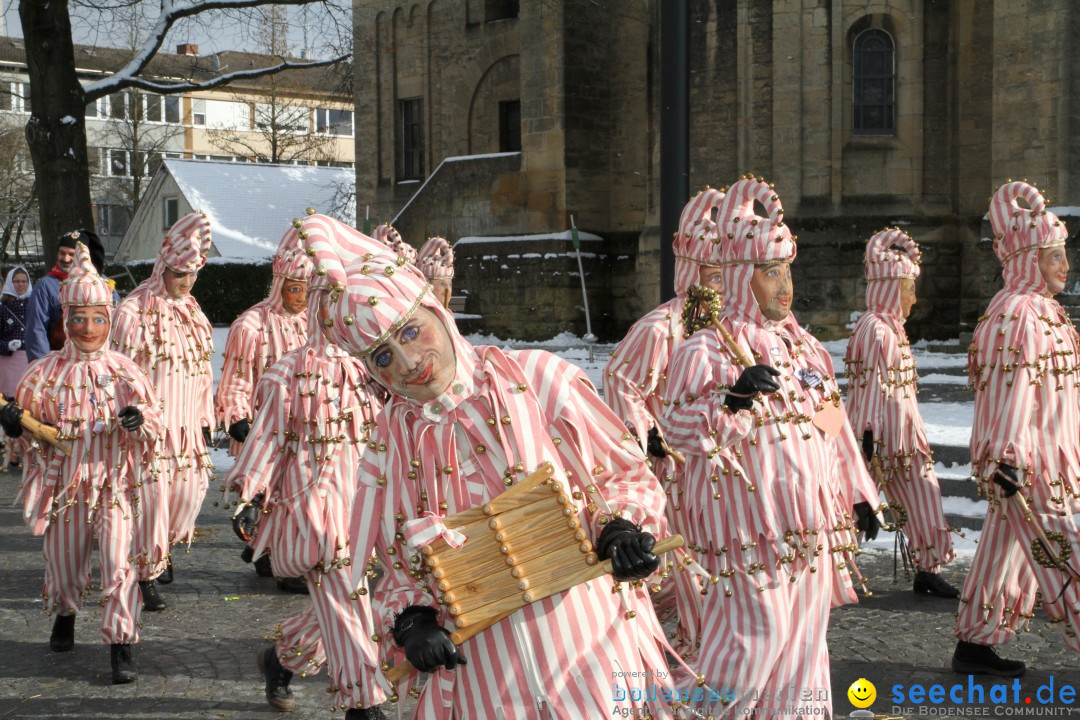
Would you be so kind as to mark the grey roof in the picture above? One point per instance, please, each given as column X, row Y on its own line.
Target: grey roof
column 251, row 205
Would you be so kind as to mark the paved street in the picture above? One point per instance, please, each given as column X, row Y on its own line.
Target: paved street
column 196, row 659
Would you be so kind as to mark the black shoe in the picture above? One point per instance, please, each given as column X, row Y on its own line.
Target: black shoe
column 151, row 598
column 293, row 585
column 123, row 667
column 63, row 633
column 927, row 583
column 278, row 693
column 263, row 567
column 974, row 659
column 166, row 577
column 371, row 713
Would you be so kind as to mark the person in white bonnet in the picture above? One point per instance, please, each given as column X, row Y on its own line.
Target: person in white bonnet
column 16, row 295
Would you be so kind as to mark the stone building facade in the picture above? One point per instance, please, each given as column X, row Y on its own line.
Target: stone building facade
column 498, row 118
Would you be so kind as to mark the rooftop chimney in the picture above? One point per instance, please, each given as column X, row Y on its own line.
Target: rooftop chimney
column 187, row 49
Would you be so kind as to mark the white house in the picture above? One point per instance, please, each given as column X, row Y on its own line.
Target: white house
column 250, row 205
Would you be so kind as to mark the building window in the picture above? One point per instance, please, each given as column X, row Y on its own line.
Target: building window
column 412, row 140
column 510, row 126
column 500, row 10
column 118, row 106
column 170, row 211
column 116, row 164
column 198, row 112
column 334, row 122
column 112, row 220
column 153, row 108
column 15, row 97
column 172, row 109
column 874, row 83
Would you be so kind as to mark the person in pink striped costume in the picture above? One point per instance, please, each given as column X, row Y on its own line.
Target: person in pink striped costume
column 462, row 424
column 161, row 327
column 106, row 411
column 436, row 261
column 634, row 380
column 883, row 406
column 1022, row 365
column 772, row 474
column 257, row 339
column 315, row 411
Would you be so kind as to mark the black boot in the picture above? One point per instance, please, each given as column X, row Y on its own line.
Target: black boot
column 974, row 659
column 293, row 585
column 166, row 577
column 263, row 567
column 123, row 667
column 63, row 633
column 927, row 583
column 152, row 600
column 371, row 713
column 278, row 693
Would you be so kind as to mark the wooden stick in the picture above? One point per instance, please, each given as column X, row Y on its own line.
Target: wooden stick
column 732, row 346
column 43, row 432
column 397, row 672
column 476, row 514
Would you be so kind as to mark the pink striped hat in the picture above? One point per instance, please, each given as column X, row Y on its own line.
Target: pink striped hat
column 698, row 238
column 373, row 291
column 186, row 244
column 84, row 286
column 436, row 259
column 291, row 260
column 393, row 240
column 749, row 239
column 1021, row 231
column 891, row 255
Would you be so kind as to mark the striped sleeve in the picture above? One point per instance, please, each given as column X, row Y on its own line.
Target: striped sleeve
column 634, row 371
column 695, row 419
column 257, row 463
column 595, row 444
column 236, row 387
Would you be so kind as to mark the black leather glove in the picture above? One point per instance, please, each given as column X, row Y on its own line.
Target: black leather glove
column 130, row 418
column 1004, row 477
column 868, row 445
column 426, row 643
column 653, row 445
column 207, row 437
column 629, row 548
column 239, row 430
column 245, row 521
column 11, row 419
column 866, row 521
column 753, row 380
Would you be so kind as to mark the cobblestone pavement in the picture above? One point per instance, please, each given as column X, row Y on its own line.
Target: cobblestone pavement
column 196, row 659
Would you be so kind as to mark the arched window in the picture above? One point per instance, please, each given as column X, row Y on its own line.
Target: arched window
column 874, row 86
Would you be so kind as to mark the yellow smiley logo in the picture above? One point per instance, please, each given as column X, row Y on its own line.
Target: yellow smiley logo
column 862, row 693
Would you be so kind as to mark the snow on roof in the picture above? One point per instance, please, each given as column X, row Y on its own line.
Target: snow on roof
column 251, row 205
column 564, row 235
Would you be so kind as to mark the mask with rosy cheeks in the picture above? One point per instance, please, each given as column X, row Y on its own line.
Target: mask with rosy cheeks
column 441, row 288
column 907, row 296
column 772, row 288
column 417, row 361
column 87, row 327
column 294, row 296
column 1054, row 268
column 178, row 284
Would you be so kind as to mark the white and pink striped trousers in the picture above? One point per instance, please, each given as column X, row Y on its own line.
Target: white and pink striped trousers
column 1024, row 365
column 767, row 507
column 882, row 397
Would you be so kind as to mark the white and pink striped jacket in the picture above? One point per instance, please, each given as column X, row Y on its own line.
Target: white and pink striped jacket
column 257, row 339
column 80, row 394
column 504, row 415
